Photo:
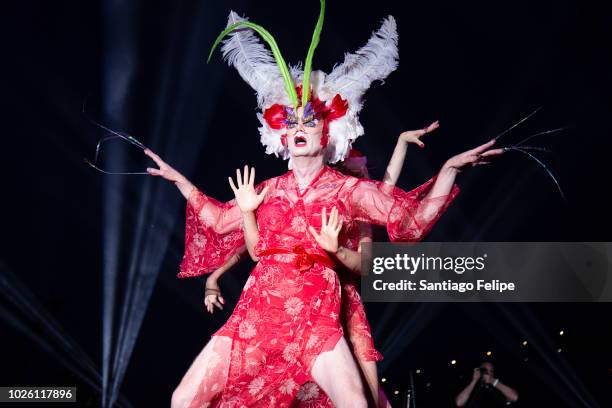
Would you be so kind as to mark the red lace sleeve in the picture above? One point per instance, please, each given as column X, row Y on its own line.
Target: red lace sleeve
column 408, row 215
column 213, row 233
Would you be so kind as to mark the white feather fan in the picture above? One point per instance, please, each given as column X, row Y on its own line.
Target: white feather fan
column 351, row 79
column 374, row 61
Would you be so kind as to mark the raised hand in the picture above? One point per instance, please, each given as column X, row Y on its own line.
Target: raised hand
column 413, row 136
column 330, row 228
column 473, row 157
column 246, row 197
column 164, row 170
column 476, row 374
column 212, row 296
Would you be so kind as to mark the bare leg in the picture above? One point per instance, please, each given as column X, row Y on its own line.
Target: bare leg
column 370, row 373
column 337, row 374
column 206, row 377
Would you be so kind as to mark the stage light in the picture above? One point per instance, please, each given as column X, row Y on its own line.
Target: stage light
column 383, row 379
column 489, row 353
column 418, row 371
column 453, row 362
column 561, row 333
column 396, row 392
column 559, row 350
column 37, row 324
column 525, row 343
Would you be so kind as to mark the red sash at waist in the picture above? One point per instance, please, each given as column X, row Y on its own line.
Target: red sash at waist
column 304, row 260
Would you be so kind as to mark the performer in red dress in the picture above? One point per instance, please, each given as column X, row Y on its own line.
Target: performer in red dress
column 285, row 329
column 353, row 317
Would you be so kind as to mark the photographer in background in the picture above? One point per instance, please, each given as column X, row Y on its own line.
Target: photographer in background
column 485, row 390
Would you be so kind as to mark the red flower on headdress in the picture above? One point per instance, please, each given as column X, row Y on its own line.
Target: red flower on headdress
column 276, row 115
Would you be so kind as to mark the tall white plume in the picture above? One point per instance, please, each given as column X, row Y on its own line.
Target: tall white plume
column 255, row 64
column 351, row 79
column 374, row 61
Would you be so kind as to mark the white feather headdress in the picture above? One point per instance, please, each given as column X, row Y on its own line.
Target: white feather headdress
column 258, row 67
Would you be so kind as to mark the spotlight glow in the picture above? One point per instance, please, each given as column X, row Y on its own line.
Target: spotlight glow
column 453, row 362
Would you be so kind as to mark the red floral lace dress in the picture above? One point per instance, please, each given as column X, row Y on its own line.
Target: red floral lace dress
column 288, row 312
column 353, row 319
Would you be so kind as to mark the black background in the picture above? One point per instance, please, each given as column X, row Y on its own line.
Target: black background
column 476, row 66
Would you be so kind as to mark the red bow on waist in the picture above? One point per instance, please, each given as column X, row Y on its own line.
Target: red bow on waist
column 304, row 260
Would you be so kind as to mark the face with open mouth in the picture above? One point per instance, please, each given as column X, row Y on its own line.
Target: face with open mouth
column 304, row 137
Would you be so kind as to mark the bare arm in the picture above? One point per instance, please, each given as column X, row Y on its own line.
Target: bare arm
column 170, row 174
column 448, row 173
column 450, row 169
column 464, row 395
column 349, row 258
column 229, row 264
column 352, row 259
column 251, row 233
column 327, row 238
column 509, row 393
column 248, row 200
column 212, row 293
column 396, row 162
column 442, row 187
